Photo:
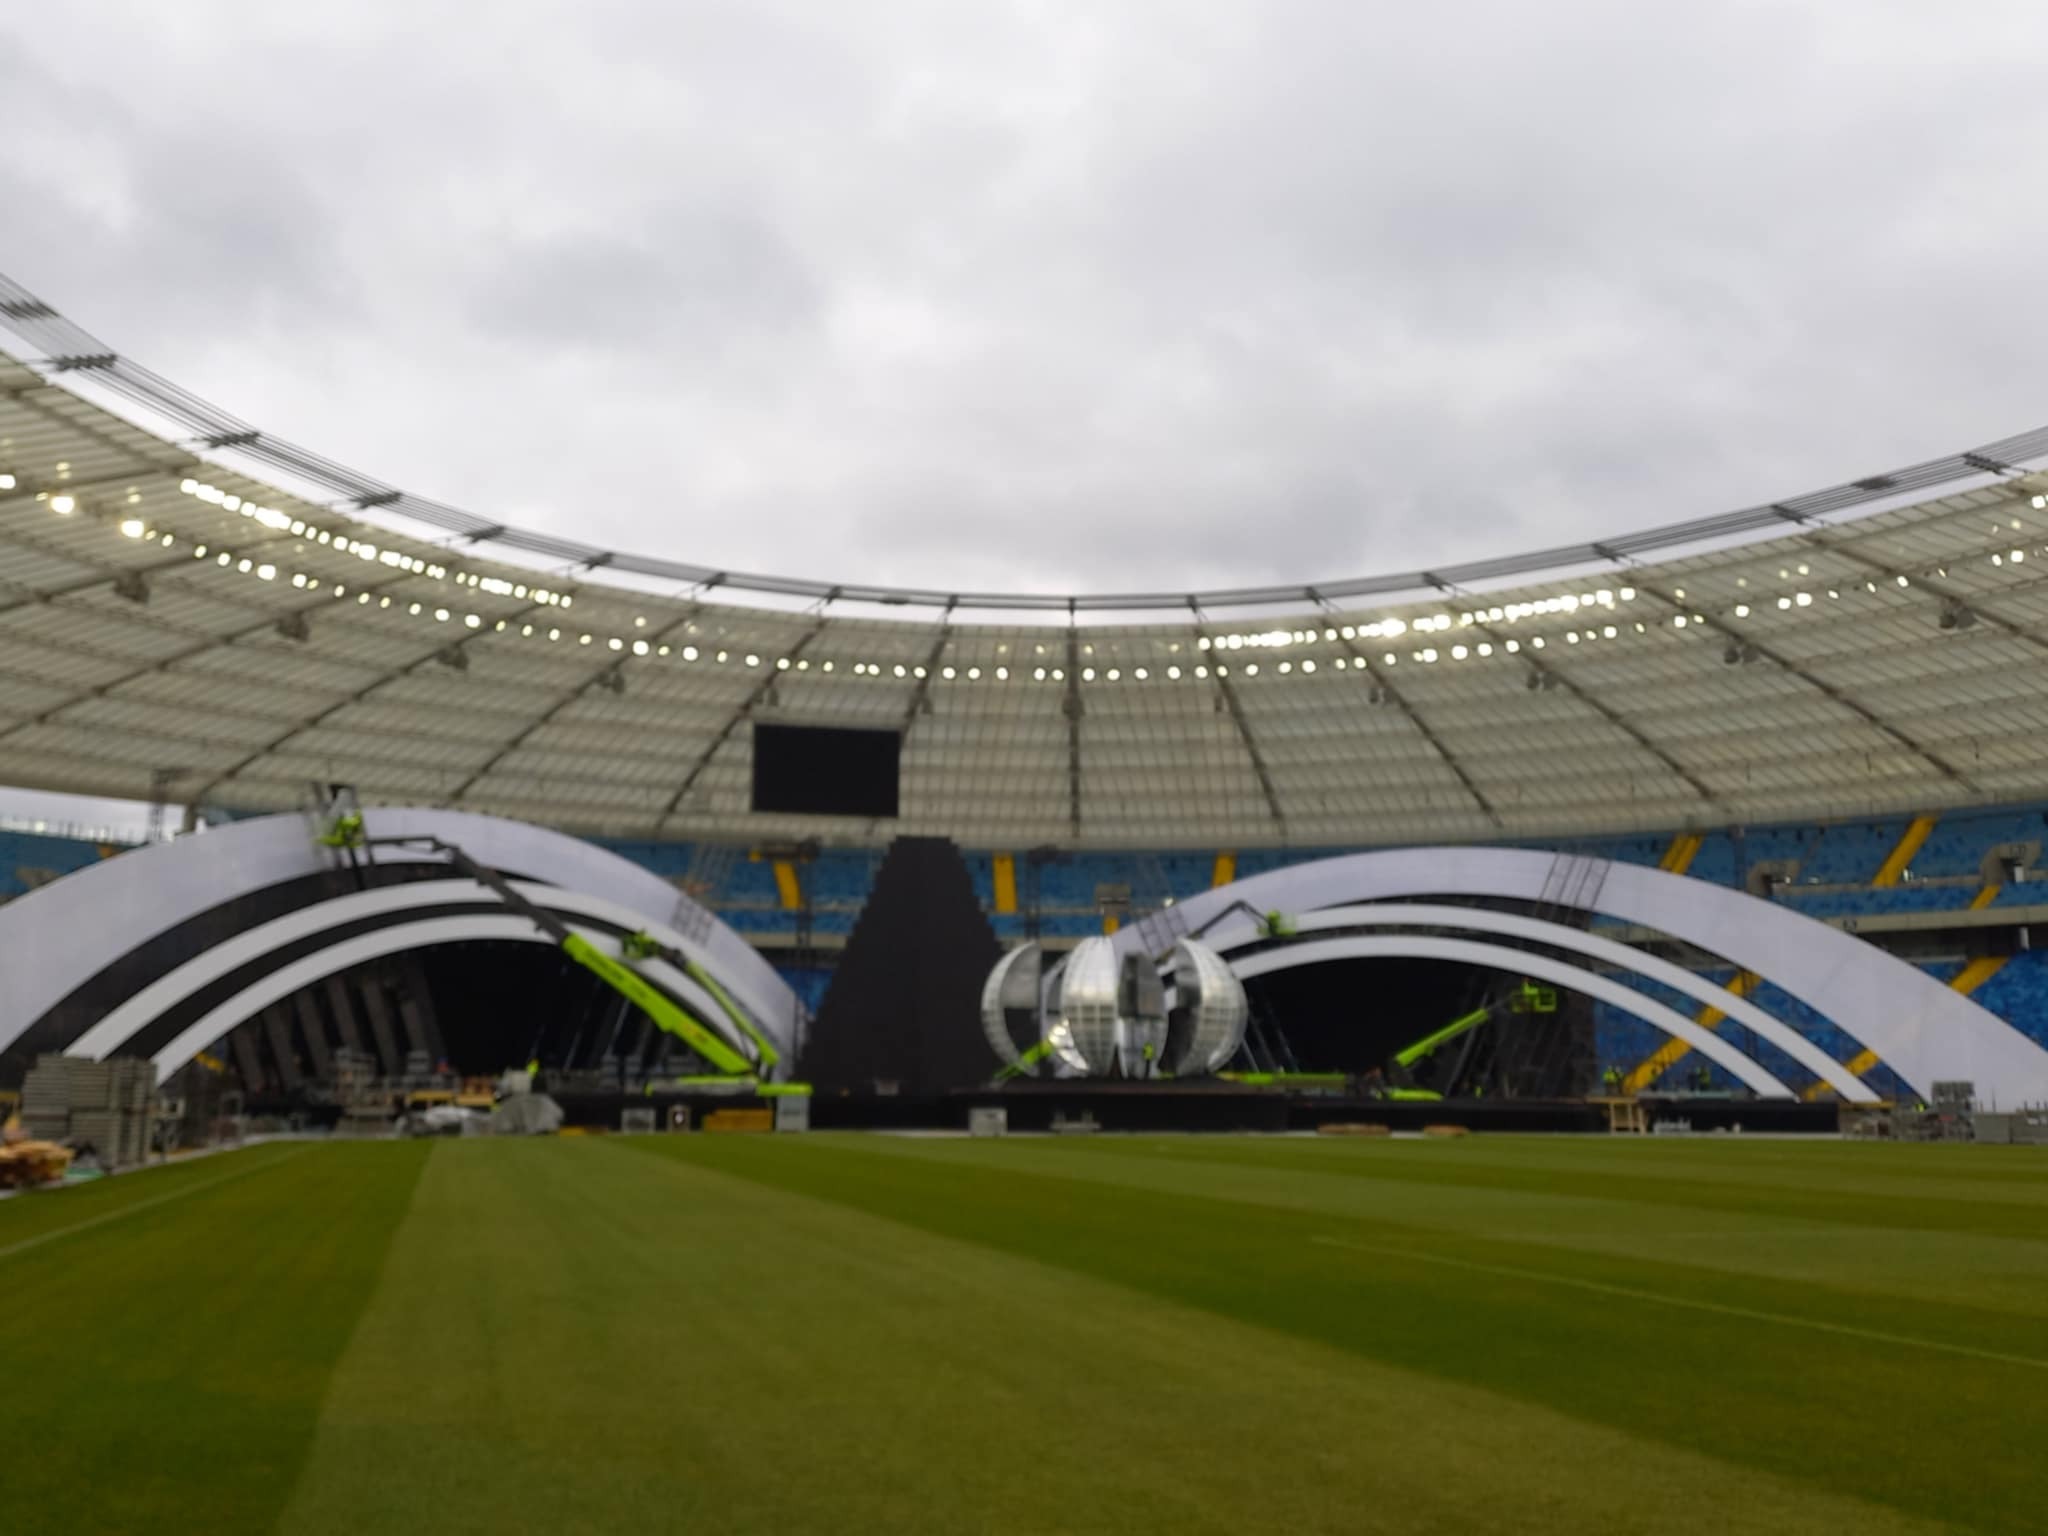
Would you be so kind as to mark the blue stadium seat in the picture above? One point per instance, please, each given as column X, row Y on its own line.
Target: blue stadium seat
column 29, row 859
column 2019, row 994
column 809, row 982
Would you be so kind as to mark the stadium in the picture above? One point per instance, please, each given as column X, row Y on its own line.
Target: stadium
column 1586, row 992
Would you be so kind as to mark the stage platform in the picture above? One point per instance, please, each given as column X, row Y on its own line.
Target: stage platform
column 1220, row 1108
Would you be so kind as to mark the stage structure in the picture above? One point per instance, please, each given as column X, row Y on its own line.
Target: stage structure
column 167, row 949
column 1102, row 1013
column 1521, row 911
column 899, row 1018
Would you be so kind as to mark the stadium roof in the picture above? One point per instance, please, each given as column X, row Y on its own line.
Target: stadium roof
column 179, row 592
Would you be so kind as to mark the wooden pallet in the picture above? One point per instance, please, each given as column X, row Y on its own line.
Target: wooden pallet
column 25, row 1163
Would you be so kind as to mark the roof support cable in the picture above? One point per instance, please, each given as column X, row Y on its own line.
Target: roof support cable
column 445, row 653
column 1384, row 689
column 1975, row 603
column 920, row 696
column 1235, row 707
column 1549, row 677
column 1747, row 646
column 595, row 679
column 732, row 723
column 1071, row 706
column 263, row 626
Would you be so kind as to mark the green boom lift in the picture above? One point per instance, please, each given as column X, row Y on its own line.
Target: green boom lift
column 348, row 833
column 1528, row 997
column 1409, row 1056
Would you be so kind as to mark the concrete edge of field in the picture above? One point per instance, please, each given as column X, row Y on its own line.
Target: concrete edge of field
column 175, row 1160
column 180, row 1159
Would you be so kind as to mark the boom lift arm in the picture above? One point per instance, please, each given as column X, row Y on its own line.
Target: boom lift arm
column 621, row 978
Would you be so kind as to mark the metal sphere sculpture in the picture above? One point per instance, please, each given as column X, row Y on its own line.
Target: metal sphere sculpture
column 1105, row 1014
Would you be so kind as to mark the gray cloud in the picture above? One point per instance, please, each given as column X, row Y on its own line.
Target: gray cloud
column 1058, row 296
column 688, row 285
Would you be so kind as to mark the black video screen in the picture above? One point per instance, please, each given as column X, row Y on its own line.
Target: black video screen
column 816, row 770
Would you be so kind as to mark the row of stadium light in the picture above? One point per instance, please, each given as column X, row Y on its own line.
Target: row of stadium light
column 1389, row 628
column 1598, row 602
column 1394, row 628
column 362, row 549
column 266, row 571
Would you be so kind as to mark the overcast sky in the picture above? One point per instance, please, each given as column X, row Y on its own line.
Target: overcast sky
column 1056, row 295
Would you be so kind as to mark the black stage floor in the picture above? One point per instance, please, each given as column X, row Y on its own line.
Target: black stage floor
column 1220, row 1107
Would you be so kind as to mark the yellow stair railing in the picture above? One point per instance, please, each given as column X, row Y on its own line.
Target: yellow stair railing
column 1900, row 859
column 1679, row 856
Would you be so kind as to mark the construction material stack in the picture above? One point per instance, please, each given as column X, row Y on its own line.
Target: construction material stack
column 106, row 1106
column 365, row 1100
column 95, row 1127
column 46, row 1099
column 133, row 1098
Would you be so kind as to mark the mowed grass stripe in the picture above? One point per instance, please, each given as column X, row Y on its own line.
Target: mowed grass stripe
column 574, row 1336
column 1815, row 1183
column 1979, row 1293
column 1664, row 1299
column 179, row 1191
column 1981, row 1284
column 1942, row 1438
column 1945, row 1170
column 163, row 1371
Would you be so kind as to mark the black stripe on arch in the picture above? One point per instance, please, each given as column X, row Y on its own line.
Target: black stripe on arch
column 173, row 1021
column 126, row 974
column 167, row 1026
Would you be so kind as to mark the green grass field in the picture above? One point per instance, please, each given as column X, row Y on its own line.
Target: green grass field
column 1138, row 1335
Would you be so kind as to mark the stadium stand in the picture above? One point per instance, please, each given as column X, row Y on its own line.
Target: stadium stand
column 2019, row 993
column 29, row 859
column 1827, row 871
column 808, row 982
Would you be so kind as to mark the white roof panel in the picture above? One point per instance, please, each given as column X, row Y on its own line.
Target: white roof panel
column 185, row 613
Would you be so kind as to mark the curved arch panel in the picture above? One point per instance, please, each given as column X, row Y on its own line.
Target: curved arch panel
column 79, row 925
column 1559, row 936
column 1923, row 1030
column 420, row 934
column 135, row 1014
column 1520, row 962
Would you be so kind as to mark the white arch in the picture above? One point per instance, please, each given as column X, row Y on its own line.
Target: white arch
column 1485, row 920
column 376, row 944
column 1520, row 962
column 77, row 926
column 167, row 991
column 1925, row 1031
